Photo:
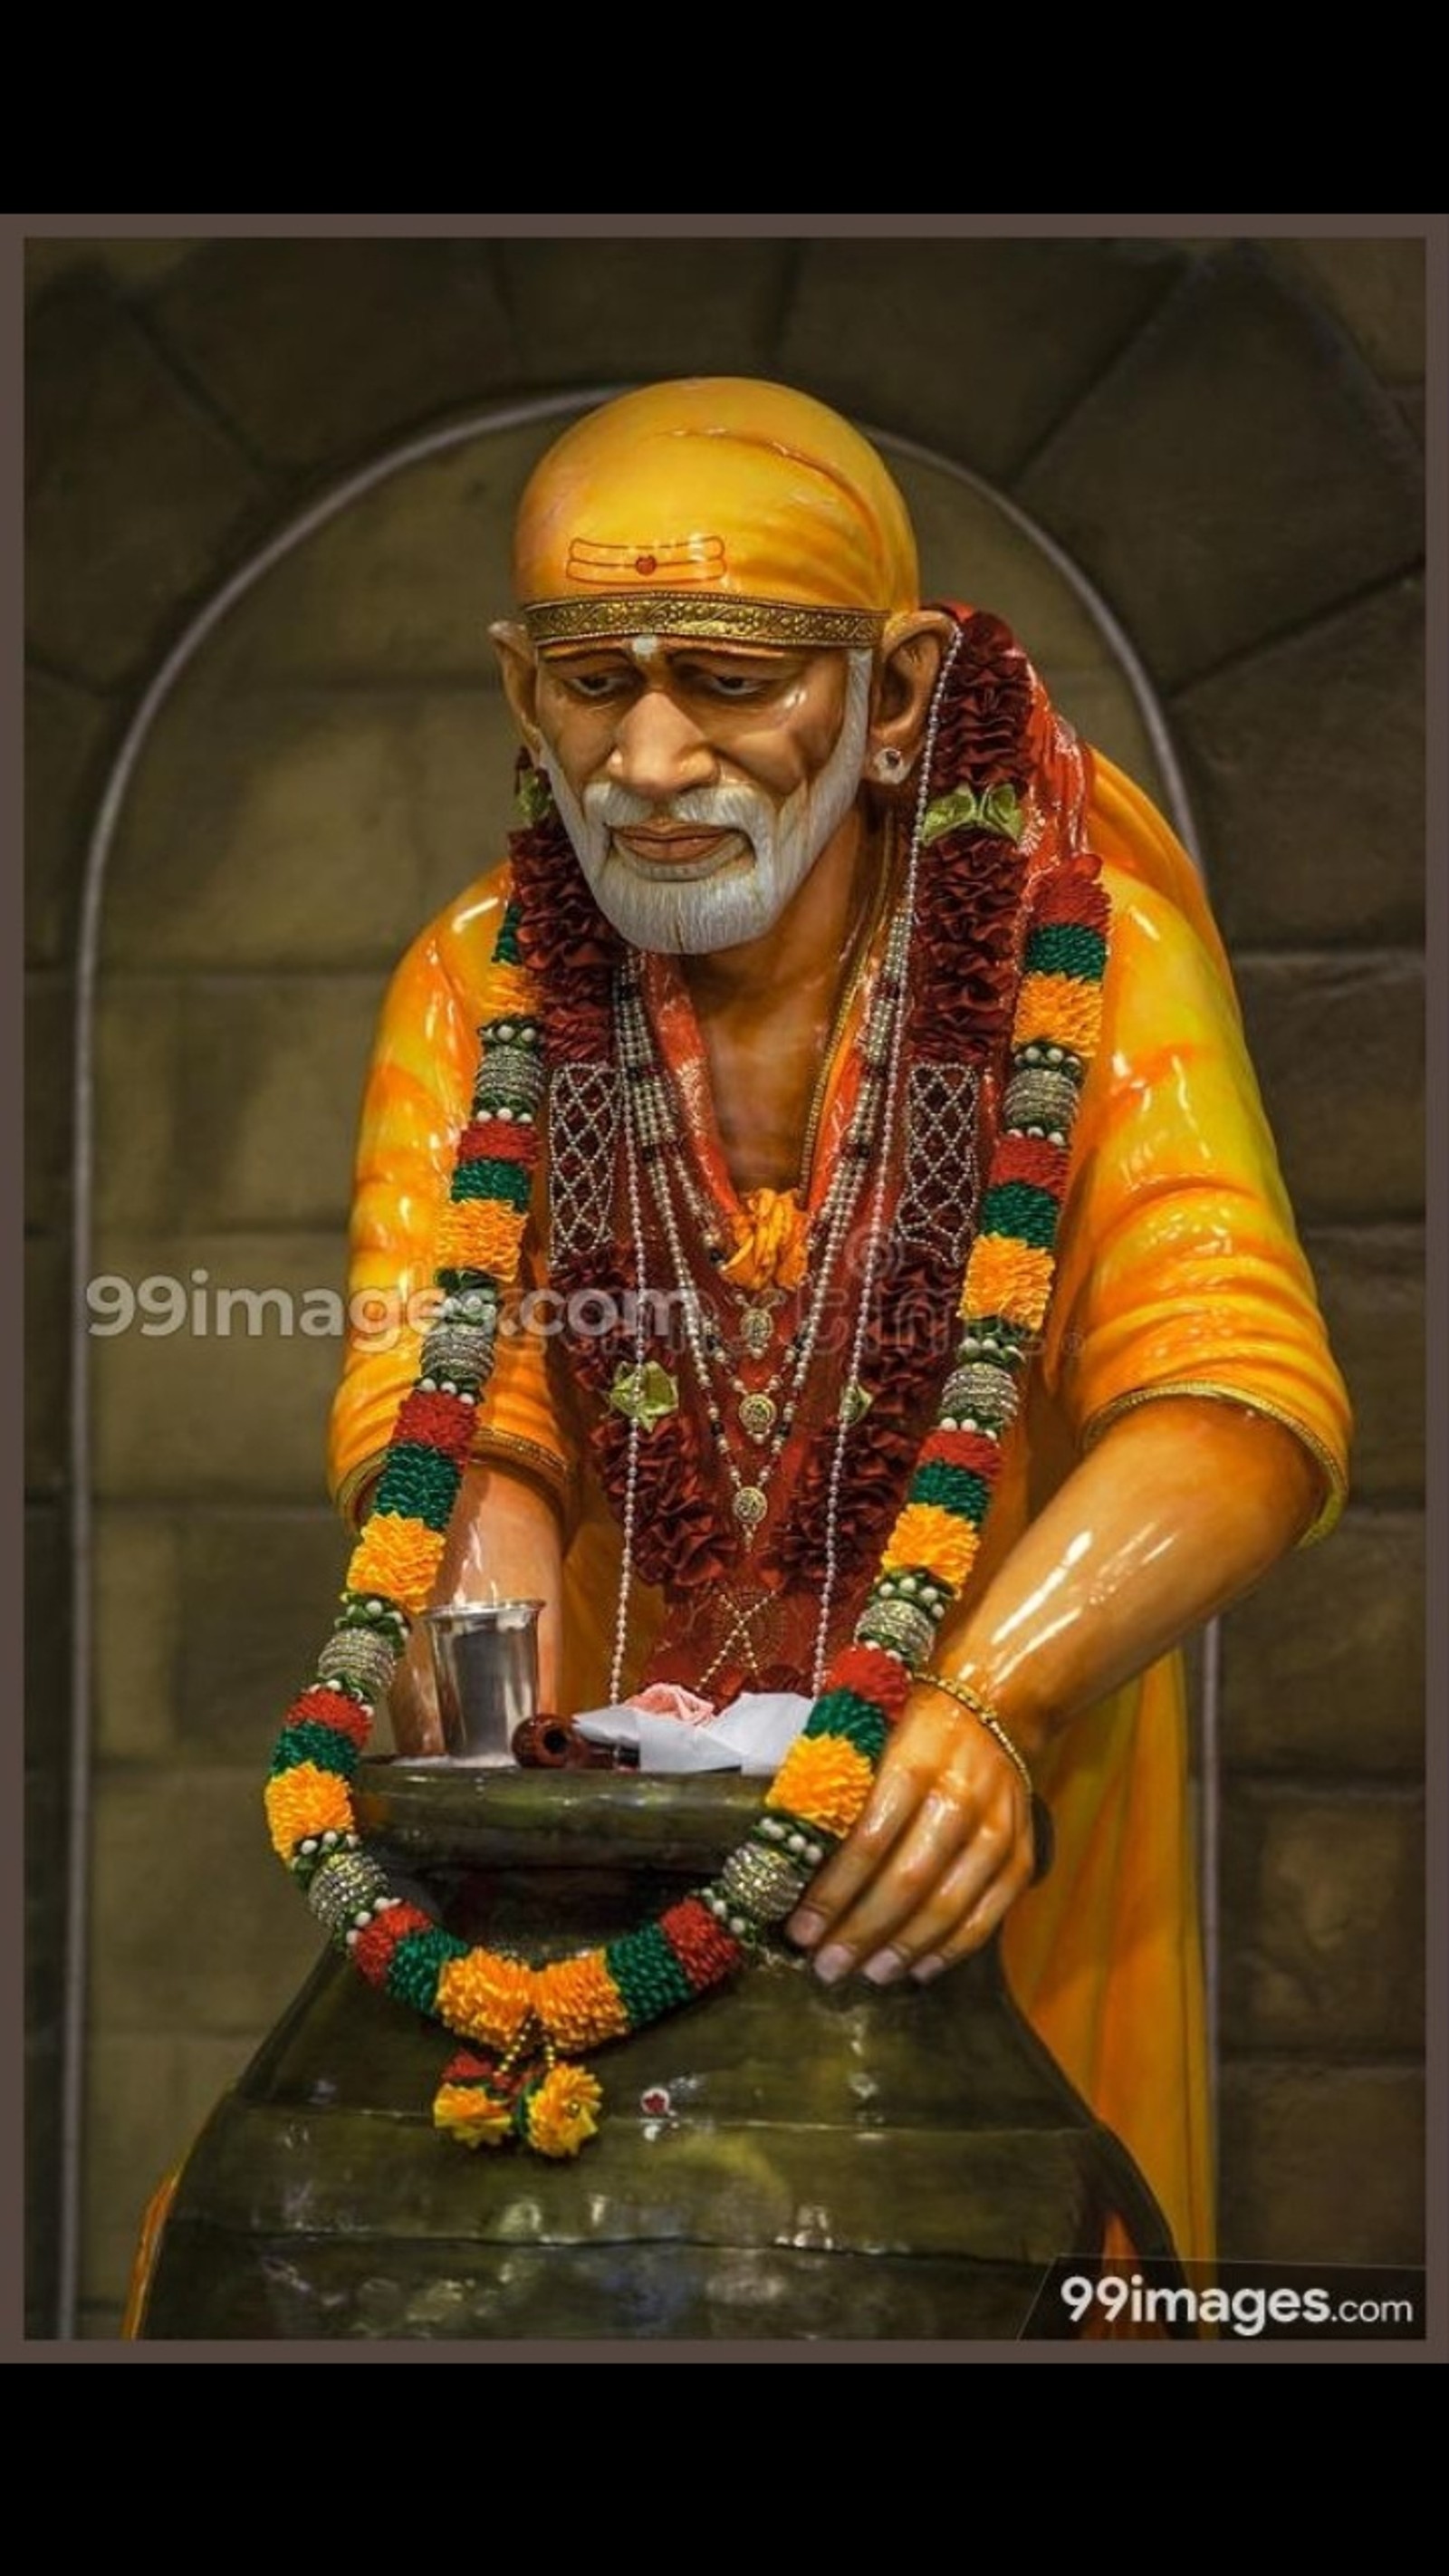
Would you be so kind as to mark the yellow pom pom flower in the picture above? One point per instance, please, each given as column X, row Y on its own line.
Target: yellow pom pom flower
column 479, row 1234
column 563, row 2114
column 578, row 2002
column 485, row 1997
column 397, row 1556
column 509, row 994
column 306, row 1801
column 1058, row 1010
column 469, row 2114
column 1010, row 1279
column 928, row 1535
column 823, row 1779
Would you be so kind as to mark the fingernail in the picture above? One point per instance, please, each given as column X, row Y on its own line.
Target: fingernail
column 927, row 1968
column 832, row 1964
column 805, row 1928
column 884, row 1968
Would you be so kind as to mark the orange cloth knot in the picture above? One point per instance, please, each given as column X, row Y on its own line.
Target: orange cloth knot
column 770, row 1238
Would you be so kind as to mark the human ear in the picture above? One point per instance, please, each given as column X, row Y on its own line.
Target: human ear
column 909, row 668
column 518, row 663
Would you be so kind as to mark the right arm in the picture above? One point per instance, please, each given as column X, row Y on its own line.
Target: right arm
column 505, row 1543
column 506, row 1526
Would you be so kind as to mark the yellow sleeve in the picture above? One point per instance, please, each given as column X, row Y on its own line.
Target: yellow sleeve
column 417, row 1098
column 1180, row 1270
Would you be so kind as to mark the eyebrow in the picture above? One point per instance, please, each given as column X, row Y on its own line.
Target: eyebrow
column 677, row 648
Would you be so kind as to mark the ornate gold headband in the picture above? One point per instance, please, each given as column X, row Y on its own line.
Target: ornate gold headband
column 722, row 619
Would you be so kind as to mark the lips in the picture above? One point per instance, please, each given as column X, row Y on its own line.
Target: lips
column 679, row 851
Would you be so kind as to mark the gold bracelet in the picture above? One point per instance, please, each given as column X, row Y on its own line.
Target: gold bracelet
column 986, row 1717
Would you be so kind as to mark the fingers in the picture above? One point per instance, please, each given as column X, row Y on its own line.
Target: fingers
column 975, row 1903
column 412, row 1702
column 889, row 1811
column 942, row 1850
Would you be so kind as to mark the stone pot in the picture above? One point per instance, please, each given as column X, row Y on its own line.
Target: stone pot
column 785, row 2160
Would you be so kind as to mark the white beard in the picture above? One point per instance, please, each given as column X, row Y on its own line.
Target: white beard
column 745, row 890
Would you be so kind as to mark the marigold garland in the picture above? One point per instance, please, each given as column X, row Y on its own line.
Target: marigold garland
column 521, row 2014
column 467, row 2109
column 562, row 2112
column 823, row 1776
column 1008, row 1279
column 399, row 1555
column 487, row 1998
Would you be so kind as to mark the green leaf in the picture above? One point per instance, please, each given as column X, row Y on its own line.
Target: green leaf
column 535, row 796
column 950, row 814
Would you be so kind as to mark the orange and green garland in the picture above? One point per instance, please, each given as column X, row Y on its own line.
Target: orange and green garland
column 527, row 2027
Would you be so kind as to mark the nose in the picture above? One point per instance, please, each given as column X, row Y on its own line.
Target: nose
column 658, row 750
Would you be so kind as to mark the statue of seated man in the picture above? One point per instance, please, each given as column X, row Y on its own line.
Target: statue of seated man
column 897, row 1296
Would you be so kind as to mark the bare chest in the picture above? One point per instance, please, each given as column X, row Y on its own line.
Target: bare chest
column 763, row 1082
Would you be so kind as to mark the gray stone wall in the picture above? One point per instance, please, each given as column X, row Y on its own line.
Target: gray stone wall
column 1225, row 436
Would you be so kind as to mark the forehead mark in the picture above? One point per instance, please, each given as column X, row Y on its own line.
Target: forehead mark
column 645, row 648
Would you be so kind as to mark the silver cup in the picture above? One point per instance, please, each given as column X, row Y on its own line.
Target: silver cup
column 485, row 1659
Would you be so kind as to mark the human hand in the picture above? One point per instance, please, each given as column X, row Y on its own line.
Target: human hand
column 943, row 1848
column 413, row 1699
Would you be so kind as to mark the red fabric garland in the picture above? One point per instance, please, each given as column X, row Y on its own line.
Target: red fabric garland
column 872, row 1674
column 705, row 1950
column 373, row 1948
column 969, row 1449
column 323, row 1707
column 437, row 1421
column 498, row 1140
column 1033, row 1159
column 1069, row 894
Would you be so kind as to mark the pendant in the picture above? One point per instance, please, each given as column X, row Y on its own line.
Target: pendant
column 757, row 1330
column 855, row 1401
column 750, row 1508
column 757, row 1416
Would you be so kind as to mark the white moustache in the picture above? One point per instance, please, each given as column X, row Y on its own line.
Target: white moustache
column 725, row 808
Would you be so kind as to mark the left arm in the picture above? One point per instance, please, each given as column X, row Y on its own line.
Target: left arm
column 1183, row 1504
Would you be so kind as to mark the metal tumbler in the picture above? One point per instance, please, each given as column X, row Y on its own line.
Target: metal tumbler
column 485, row 1658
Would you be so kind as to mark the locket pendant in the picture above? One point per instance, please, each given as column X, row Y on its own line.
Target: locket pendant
column 757, row 1330
column 758, row 1414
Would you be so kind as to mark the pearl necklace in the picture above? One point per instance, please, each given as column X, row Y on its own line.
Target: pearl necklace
column 652, row 1142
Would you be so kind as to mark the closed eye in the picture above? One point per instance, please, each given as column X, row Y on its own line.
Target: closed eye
column 596, row 686
column 737, row 686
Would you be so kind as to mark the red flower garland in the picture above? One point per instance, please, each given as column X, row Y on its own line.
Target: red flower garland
column 965, row 970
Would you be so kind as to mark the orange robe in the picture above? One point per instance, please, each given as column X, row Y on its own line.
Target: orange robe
column 1179, row 1272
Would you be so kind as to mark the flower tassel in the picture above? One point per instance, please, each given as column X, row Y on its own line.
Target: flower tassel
column 538, row 2099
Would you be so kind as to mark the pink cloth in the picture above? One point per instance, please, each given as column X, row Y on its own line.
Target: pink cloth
column 671, row 1699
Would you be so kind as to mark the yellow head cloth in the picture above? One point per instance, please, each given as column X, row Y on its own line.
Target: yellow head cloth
column 720, row 507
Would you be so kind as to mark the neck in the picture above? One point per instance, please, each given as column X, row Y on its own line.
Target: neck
column 765, row 1011
column 806, row 950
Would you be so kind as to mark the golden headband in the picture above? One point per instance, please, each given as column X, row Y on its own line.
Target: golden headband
column 727, row 620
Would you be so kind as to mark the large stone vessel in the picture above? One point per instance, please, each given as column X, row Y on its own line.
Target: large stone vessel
column 784, row 2161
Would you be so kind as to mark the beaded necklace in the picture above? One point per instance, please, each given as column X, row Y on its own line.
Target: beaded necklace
column 990, row 737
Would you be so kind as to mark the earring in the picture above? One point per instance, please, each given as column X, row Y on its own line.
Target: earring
column 888, row 765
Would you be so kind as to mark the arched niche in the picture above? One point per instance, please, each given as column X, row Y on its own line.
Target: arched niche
column 325, row 762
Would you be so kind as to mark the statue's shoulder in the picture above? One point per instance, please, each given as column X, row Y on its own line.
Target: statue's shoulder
column 1151, row 881
column 456, row 947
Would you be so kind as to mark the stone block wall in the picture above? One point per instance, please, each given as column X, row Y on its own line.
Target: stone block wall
column 1224, row 436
